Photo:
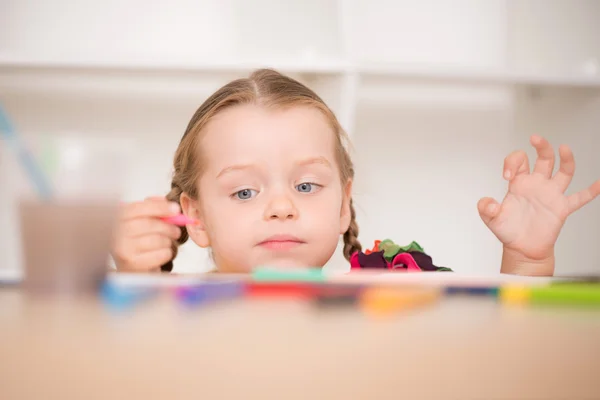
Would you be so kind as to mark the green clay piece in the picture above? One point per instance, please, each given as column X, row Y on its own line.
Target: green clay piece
column 270, row 274
column 391, row 249
column 413, row 246
column 385, row 243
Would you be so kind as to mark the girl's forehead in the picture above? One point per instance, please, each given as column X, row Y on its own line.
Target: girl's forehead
column 253, row 134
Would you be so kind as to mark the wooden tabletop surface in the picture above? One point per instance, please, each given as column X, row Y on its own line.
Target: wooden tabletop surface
column 461, row 348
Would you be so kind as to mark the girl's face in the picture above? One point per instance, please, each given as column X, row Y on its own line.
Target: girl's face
column 270, row 193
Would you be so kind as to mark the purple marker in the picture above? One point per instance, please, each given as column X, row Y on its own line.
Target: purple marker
column 209, row 292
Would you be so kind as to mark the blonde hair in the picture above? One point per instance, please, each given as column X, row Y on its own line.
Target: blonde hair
column 266, row 88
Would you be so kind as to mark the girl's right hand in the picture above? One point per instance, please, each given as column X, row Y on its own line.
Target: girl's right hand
column 143, row 242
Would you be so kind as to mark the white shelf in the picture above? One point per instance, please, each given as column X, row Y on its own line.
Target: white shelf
column 289, row 66
column 318, row 67
column 485, row 76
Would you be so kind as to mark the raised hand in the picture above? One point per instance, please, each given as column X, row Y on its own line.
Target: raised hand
column 535, row 208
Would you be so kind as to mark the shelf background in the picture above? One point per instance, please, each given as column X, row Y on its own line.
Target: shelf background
column 433, row 93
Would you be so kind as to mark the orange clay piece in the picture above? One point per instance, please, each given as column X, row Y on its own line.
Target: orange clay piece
column 387, row 300
column 375, row 248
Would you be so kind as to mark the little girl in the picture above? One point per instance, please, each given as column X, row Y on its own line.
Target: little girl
column 263, row 167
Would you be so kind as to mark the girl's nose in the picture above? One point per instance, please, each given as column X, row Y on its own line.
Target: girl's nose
column 281, row 207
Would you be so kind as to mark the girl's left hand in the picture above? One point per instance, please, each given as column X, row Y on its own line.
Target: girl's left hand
column 535, row 208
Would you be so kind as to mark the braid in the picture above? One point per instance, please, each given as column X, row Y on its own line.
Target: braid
column 351, row 243
column 174, row 196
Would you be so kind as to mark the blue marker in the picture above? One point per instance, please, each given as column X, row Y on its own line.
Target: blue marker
column 120, row 297
column 25, row 157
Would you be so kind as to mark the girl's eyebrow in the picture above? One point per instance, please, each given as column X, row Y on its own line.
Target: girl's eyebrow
column 234, row 168
column 315, row 160
column 241, row 167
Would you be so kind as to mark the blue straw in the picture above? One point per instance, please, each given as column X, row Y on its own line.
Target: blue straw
column 25, row 157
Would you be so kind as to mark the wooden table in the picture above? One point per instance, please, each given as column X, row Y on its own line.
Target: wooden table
column 463, row 348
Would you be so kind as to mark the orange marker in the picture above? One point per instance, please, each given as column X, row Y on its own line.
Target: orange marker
column 387, row 300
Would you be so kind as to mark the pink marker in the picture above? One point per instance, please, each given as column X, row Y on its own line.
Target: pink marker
column 180, row 220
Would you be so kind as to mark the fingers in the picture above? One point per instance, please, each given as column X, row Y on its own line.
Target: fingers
column 488, row 209
column 136, row 239
column 567, row 168
column 137, row 253
column 143, row 242
column 515, row 164
column 580, row 199
column 544, row 165
column 148, row 226
column 152, row 260
column 152, row 242
column 152, row 207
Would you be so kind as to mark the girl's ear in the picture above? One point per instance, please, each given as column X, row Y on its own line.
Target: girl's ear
column 197, row 233
column 346, row 213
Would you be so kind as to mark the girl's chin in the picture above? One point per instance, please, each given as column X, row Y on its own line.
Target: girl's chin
column 270, row 262
column 285, row 263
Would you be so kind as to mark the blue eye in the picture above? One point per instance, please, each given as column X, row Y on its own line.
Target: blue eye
column 307, row 187
column 245, row 194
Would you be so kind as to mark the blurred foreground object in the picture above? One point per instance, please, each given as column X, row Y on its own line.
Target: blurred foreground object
column 66, row 239
column 197, row 332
